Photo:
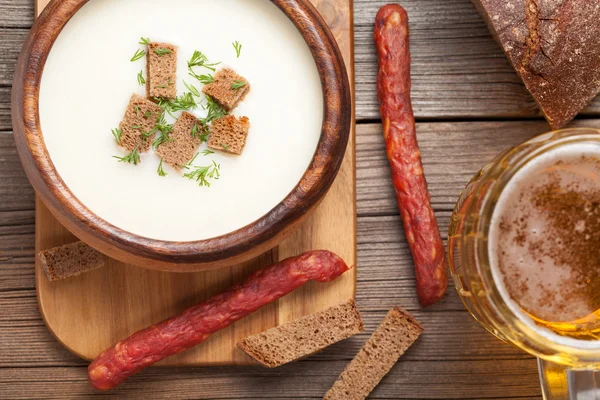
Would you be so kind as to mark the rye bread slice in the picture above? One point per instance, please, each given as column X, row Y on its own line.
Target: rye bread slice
column 398, row 331
column 553, row 46
column 140, row 118
column 304, row 336
column 184, row 142
column 70, row 260
column 161, row 71
column 224, row 88
column 229, row 134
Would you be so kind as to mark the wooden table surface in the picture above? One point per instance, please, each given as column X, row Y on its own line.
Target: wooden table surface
column 470, row 105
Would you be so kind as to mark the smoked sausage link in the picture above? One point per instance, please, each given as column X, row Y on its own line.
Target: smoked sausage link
column 393, row 89
column 198, row 322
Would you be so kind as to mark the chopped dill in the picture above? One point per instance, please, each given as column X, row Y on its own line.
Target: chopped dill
column 117, row 134
column 131, row 158
column 193, row 90
column 160, row 171
column 146, row 135
column 225, row 146
column 162, row 52
column 236, row 85
column 136, row 126
column 139, row 53
column 238, row 48
column 136, row 109
column 202, row 174
column 140, row 78
column 199, row 59
column 208, row 152
column 144, row 41
column 215, row 111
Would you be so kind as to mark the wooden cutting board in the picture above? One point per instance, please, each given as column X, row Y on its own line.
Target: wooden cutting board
column 91, row 312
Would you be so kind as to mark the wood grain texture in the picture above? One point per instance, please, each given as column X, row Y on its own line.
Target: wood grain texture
column 225, row 250
column 121, row 299
column 457, row 68
column 456, row 357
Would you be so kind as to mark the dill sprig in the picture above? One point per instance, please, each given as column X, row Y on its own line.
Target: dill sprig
column 184, row 102
column 140, row 78
column 160, row 171
column 215, row 111
column 136, row 109
column 193, row 90
column 144, row 41
column 199, row 59
column 117, row 132
column 161, row 52
column 146, row 135
column 139, row 53
column 163, row 129
column 136, row 126
column 198, row 132
column 202, row 174
column 131, row 158
column 207, row 152
column 238, row 48
column 236, row 85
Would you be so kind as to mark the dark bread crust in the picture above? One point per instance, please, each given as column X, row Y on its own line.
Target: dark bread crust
column 396, row 333
column 553, row 46
column 304, row 336
column 69, row 260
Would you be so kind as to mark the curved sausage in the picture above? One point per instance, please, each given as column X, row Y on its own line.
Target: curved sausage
column 198, row 322
column 393, row 88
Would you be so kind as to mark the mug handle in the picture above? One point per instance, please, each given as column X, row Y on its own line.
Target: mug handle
column 561, row 383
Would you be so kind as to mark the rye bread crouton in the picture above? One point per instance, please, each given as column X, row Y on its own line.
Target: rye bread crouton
column 228, row 88
column 229, row 134
column 184, row 142
column 139, row 120
column 304, row 336
column 161, row 71
column 398, row 331
column 69, row 260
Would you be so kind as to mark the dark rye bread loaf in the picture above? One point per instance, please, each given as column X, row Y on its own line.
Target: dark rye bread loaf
column 555, row 48
column 304, row 336
column 223, row 91
column 229, row 134
column 398, row 331
column 140, row 117
column 161, row 71
column 184, row 142
column 69, row 260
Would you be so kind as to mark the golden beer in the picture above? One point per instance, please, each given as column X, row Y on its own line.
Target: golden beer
column 524, row 253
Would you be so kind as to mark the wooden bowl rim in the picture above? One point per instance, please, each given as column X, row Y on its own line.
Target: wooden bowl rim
column 312, row 187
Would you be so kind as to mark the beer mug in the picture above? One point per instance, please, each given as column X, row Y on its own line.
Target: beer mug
column 524, row 254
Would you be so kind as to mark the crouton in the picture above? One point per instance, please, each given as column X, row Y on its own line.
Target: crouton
column 161, row 71
column 228, row 88
column 184, row 142
column 229, row 134
column 139, row 123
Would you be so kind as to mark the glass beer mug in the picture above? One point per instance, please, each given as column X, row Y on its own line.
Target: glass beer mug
column 517, row 293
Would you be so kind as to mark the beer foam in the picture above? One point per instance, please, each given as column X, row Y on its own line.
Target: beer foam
column 536, row 242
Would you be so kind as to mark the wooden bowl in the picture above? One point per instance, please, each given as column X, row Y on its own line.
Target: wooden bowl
column 225, row 250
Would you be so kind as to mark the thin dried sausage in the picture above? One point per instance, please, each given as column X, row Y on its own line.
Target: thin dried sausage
column 393, row 88
column 198, row 322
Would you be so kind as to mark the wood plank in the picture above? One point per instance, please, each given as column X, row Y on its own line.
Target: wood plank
column 306, row 379
column 452, row 153
column 16, row 13
column 458, row 71
column 10, row 47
